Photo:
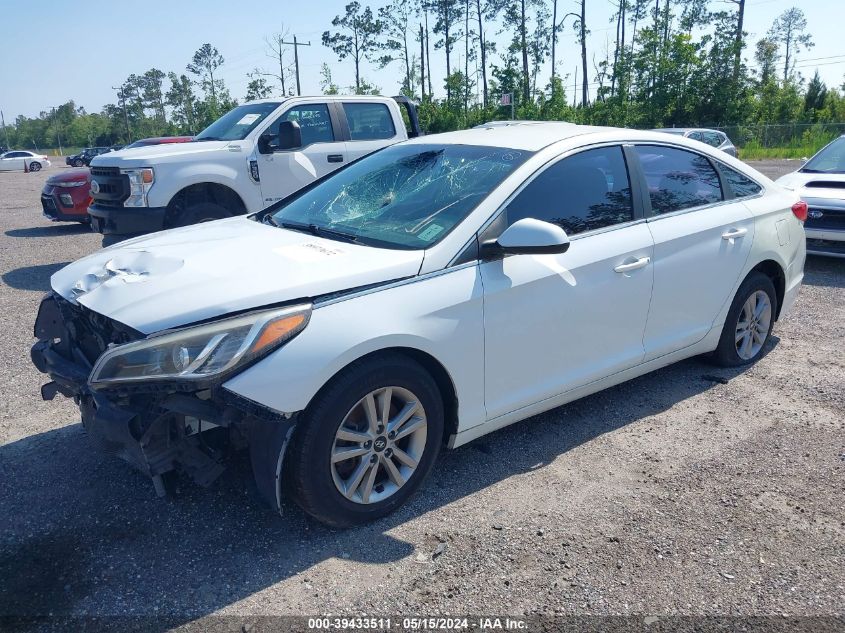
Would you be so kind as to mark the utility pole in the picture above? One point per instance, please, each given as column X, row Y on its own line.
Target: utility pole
column 296, row 46
column 122, row 99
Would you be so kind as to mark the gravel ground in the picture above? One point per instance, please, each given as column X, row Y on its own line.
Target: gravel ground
column 693, row 490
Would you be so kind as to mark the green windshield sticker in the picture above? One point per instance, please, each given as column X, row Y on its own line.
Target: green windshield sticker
column 430, row 233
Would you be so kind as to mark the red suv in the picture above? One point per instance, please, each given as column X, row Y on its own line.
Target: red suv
column 67, row 195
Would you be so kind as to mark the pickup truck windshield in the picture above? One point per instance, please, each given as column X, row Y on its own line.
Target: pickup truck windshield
column 237, row 123
column 407, row 196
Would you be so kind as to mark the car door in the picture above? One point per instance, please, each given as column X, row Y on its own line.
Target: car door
column 556, row 322
column 371, row 126
column 702, row 238
column 284, row 171
column 12, row 161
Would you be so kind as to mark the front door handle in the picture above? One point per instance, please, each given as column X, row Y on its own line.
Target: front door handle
column 335, row 158
column 640, row 263
column 734, row 233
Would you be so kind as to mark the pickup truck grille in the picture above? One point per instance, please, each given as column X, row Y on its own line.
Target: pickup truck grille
column 113, row 186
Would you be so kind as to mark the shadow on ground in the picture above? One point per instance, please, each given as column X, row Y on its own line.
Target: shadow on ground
column 32, row 277
column 54, row 230
column 84, row 533
column 824, row 271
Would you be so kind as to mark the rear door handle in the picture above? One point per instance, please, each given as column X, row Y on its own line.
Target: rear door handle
column 734, row 233
column 335, row 158
column 640, row 263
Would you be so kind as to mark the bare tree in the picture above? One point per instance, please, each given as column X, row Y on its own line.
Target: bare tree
column 276, row 50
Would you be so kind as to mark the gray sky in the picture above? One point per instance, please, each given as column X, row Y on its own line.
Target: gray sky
column 54, row 50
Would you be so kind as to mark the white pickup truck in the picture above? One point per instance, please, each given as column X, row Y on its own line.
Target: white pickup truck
column 256, row 154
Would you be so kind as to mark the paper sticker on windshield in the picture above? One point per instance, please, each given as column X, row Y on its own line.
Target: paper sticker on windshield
column 307, row 252
column 248, row 119
column 431, row 232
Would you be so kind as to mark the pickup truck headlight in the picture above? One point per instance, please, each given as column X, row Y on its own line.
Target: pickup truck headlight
column 202, row 353
column 140, row 182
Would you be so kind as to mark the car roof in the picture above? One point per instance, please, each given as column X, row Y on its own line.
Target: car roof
column 281, row 100
column 530, row 136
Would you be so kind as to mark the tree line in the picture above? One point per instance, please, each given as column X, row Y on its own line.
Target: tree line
column 670, row 63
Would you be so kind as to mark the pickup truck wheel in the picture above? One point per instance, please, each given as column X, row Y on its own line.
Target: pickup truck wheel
column 366, row 442
column 200, row 212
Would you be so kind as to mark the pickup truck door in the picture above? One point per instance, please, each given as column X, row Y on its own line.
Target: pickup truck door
column 371, row 126
column 285, row 171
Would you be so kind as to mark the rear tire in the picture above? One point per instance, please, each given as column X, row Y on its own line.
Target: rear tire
column 320, row 480
column 749, row 322
column 35, row 166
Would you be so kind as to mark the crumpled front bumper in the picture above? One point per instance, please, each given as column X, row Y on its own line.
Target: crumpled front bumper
column 159, row 430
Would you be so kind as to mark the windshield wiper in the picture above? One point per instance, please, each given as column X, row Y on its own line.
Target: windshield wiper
column 269, row 219
column 312, row 229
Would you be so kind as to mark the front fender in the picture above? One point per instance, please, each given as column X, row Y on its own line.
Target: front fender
column 439, row 314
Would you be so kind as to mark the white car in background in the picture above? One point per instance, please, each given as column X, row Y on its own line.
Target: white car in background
column 821, row 184
column 15, row 160
column 429, row 293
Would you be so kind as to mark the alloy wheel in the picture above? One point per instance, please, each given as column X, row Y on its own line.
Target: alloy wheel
column 753, row 324
column 378, row 445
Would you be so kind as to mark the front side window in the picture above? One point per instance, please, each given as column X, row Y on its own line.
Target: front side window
column 314, row 123
column 677, row 179
column 369, row 121
column 406, row 196
column 584, row 192
column 236, row 124
column 741, row 185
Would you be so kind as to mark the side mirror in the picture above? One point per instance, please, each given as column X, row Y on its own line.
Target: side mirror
column 289, row 137
column 528, row 236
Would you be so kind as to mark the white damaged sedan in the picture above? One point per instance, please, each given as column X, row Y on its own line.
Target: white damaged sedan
column 425, row 295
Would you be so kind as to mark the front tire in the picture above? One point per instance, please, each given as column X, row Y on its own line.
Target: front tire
column 749, row 322
column 78, row 163
column 198, row 213
column 366, row 442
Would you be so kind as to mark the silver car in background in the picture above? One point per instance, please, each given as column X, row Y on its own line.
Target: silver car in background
column 714, row 138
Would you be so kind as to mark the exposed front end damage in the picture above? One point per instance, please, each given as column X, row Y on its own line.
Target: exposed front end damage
column 156, row 428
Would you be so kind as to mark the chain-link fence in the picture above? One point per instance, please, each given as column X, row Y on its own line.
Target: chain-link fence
column 797, row 136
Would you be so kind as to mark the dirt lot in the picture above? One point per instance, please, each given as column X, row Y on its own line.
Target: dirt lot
column 693, row 490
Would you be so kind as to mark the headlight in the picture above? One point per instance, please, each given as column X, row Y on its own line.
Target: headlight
column 203, row 353
column 140, row 182
column 71, row 183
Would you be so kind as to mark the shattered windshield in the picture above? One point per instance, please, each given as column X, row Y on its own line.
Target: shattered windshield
column 407, row 196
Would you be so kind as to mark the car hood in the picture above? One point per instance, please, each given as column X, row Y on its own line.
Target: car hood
column 144, row 156
column 70, row 175
column 815, row 186
column 194, row 273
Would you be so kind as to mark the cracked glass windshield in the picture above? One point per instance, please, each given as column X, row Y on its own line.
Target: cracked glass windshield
column 405, row 196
